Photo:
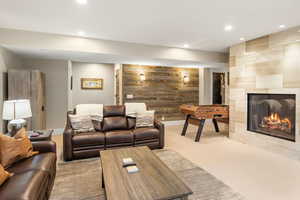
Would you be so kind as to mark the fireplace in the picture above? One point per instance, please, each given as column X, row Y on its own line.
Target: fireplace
column 272, row 114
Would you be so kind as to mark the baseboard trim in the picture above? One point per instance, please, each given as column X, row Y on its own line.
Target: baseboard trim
column 173, row 123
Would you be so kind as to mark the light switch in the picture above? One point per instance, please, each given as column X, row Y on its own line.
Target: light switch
column 129, row 96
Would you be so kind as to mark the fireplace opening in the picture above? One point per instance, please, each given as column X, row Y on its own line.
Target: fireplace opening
column 272, row 114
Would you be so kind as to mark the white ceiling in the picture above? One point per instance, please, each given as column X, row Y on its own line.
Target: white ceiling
column 106, row 58
column 199, row 23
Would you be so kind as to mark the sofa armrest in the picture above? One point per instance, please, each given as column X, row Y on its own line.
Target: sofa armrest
column 161, row 127
column 67, row 144
column 44, row 146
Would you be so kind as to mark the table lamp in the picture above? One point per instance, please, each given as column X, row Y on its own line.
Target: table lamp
column 16, row 111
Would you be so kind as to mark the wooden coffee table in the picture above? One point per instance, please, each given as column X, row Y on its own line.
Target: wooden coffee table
column 154, row 181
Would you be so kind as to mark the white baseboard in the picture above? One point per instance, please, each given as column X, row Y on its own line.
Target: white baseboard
column 173, row 123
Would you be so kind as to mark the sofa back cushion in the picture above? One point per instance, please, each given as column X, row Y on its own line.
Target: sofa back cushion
column 113, row 111
column 114, row 123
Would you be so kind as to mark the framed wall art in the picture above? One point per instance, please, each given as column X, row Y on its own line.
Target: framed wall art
column 92, row 83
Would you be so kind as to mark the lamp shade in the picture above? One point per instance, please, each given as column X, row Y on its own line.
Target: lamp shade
column 16, row 109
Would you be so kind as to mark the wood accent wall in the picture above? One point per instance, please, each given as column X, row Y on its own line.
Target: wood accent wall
column 270, row 64
column 163, row 90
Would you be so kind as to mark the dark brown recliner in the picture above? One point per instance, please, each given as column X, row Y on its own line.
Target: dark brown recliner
column 116, row 131
column 33, row 177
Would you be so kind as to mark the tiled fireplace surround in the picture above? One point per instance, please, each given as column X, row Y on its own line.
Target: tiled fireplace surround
column 271, row 65
column 238, row 123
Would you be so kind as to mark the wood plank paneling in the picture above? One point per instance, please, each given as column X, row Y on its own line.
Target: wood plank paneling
column 163, row 90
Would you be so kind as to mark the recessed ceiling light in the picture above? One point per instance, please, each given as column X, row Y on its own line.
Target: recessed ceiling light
column 242, row 39
column 82, row 2
column 282, row 26
column 228, row 28
column 186, row 46
column 81, row 33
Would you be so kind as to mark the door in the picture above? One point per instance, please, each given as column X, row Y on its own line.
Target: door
column 218, row 88
column 38, row 100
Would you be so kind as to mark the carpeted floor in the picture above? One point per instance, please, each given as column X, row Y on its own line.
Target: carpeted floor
column 80, row 180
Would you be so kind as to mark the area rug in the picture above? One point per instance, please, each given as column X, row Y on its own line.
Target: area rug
column 81, row 180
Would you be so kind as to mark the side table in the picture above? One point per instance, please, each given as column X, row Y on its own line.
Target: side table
column 44, row 135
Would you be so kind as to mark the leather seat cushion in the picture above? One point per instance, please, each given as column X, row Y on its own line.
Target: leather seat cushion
column 146, row 133
column 120, row 136
column 44, row 161
column 25, row 186
column 88, row 139
column 114, row 123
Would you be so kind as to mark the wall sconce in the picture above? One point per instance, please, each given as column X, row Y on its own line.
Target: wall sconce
column 186, row 79
column 142, row 77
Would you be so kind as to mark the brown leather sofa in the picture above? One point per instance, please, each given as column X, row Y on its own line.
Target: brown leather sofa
column 116, row 131
column 33, row 177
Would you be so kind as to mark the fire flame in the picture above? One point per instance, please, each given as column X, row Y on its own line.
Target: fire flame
column 275, row 118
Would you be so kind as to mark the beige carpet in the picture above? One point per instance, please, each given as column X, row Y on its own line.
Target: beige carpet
column 80, row 180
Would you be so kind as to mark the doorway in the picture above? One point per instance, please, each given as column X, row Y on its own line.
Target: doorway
column 218, row 88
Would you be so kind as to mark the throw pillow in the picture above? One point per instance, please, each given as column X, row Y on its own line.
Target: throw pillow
column 81, row 123
column 13, row 149
column 4, row 175
column 145, row 119
column 97, row 122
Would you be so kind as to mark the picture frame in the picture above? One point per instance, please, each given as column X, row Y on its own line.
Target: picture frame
column 92, row 83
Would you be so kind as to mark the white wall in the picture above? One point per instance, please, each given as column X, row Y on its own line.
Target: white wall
column 56, row 72
column 89, row 70
column 7, row 60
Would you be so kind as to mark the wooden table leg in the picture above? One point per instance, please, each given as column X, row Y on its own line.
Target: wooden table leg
column 216, row 125
column 186, row 123
column 200, row 128
column 102, row 182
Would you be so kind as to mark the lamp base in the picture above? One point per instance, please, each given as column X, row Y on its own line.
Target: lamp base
column 15, row 125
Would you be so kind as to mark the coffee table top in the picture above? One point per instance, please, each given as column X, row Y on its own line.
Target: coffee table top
column 154, row 181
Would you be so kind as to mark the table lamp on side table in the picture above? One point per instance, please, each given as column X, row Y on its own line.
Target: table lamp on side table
column 16, row 111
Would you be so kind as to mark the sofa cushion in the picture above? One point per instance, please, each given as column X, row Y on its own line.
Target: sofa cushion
column 44, row 161
column 25, row 186
column 120, row 136
column 114, row 123
column 146, row 133
column 88, row 139
column 112, row 111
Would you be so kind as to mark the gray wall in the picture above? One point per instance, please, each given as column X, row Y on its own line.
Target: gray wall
column 7, row 60
column 56, row 72
column 88, row 70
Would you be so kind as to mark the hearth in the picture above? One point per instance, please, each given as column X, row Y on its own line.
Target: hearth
column 272, row 114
